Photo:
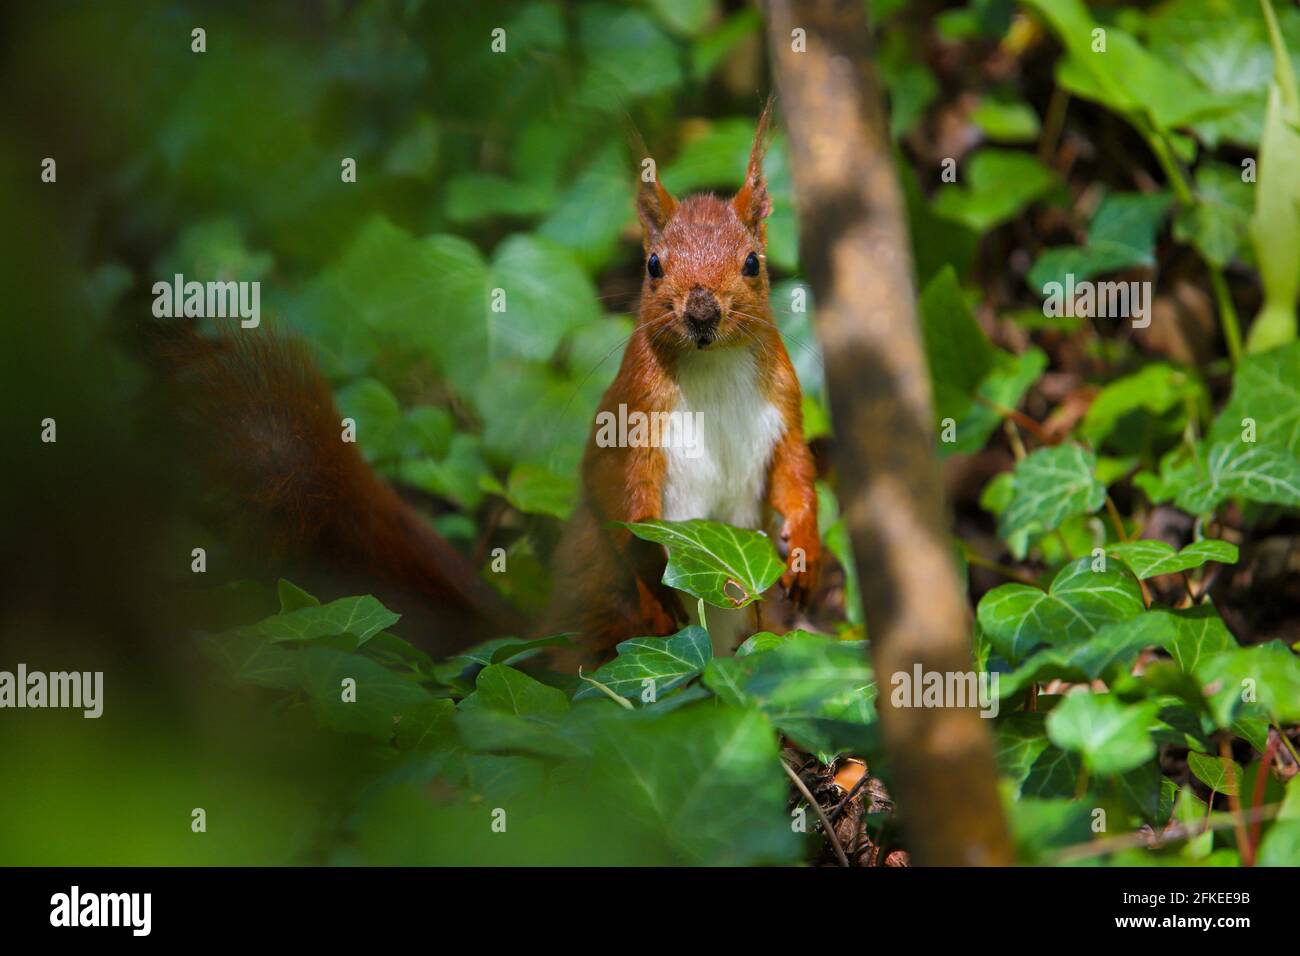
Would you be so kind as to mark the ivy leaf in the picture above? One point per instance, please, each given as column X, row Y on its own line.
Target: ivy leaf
column 1122, row 235
column 1127, row 78
column 967, row 373
column 426, row 726
column 1020, row 738
column 668, row 662
column 1190, row 811
column 382, row 697
column 1220, row 775
column 1113, row 737
column 1199, row 633
column 1216, row 224
column 1115, row 645
column 1261, row 473
column 1146, row 559
column 1265, row 390
column 1267, row 673
column 535, row 490
column 998, row 184
column 1048, row 487
column 500, row 687
column 628, row 56
column 727, row 567
column 1155, row 390
column 706, row 777
column 293, row 597
column 1006, row 121
column 361, row 617
column 1016, row 618
column 816, row 690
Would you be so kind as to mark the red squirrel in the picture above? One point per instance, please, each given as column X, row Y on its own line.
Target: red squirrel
column 705, row 342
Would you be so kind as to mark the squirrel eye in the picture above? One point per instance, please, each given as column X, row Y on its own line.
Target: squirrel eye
column 751, row 265
column 653, row 267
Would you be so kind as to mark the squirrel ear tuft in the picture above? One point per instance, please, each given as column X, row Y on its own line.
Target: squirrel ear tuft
column 752, row 203
column 654, row 204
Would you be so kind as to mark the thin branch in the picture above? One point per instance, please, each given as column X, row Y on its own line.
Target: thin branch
column 821, row 814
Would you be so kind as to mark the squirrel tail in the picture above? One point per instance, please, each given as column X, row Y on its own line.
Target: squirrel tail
column 268, row 434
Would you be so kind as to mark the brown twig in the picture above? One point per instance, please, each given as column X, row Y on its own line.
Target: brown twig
column 857, row 788
column 821, row 814
column 1260, row 778
column 1084, row 851
column 1234, row 801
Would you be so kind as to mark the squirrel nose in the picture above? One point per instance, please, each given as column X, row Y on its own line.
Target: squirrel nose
column 702, row 310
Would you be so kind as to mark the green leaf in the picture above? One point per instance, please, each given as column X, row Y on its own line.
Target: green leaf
column 1020, row 739
column 1190, row 811
column 293, row 597
column 1220, row 775
column 1146, row 559
column 510, row 691
column 378, row 416
column 458, row 476
column 816, row 690
column 535, row 274
column 591, row 214
column 1113, row 647
column 1016, row 618
column 474, row 196
column 1049, row 486
column 1265, row 390
column 706, row 778
column 628, row 56
column 1155, row 390
column 667, row 662
column 1126, row 77
column 361, row 617
column 1217, row 223
column 1267, row 673
column 429, row 725
column 967, row 373
column 538, row 491
column 1199, row 633
column 998, row 184
column 383, row 698
column 1113, row 737
column 1121, row 236
column 1006, row 121
column 728, row 567
column 1233, row 469
column 959, row 352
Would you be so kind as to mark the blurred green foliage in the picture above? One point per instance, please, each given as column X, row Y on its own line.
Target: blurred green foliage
column 480, row 170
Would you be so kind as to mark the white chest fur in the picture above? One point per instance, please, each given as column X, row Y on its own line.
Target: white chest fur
column 724, row 476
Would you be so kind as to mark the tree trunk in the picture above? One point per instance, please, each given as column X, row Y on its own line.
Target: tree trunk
column 855, row 250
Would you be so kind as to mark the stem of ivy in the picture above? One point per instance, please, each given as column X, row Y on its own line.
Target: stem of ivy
column 1258, row 795
column 1186, row 197
column 1227, row 313
column 1234, row 803
column 1115, row 518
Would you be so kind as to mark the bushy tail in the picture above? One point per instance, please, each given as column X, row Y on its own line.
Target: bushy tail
column 268, row 433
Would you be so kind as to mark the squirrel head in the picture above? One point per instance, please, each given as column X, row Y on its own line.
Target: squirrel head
column 705, row 260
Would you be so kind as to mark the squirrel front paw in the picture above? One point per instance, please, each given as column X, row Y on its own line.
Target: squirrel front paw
column 802, row 559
